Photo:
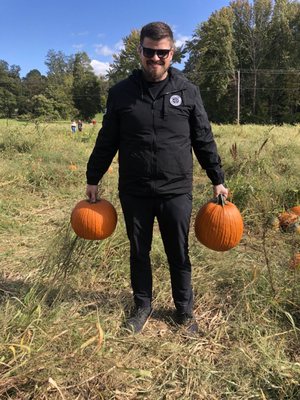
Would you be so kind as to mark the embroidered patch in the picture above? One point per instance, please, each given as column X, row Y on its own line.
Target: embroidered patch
column 175, row 100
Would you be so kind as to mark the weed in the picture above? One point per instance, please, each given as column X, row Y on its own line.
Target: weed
column 63, row 299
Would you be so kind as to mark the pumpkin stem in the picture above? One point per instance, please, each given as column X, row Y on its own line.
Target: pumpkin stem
column 221, row 200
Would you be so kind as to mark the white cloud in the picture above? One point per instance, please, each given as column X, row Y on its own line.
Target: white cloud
column 103, row 50
column 78, row 47
column 107, row 51
column 99, row 67
column 180, row 40
column 119, row 45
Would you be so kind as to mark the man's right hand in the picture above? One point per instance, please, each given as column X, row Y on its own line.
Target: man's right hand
column 92, row 192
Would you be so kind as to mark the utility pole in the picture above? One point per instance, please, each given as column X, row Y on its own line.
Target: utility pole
column 238, row 95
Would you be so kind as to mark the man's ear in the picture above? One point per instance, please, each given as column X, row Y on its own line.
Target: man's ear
column 139, row 49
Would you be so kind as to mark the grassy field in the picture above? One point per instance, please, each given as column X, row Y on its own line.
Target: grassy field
column 63, row 299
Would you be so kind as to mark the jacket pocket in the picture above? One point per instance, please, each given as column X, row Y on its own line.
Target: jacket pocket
column 175, row 163
column 134, row 163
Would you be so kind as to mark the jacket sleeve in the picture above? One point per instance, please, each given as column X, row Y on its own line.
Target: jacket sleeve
column 203, row 142
column 106, row 146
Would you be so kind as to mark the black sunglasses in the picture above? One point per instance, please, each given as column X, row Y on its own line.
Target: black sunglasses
column 161, row 53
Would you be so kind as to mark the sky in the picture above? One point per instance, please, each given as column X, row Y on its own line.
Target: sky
column 30, row 28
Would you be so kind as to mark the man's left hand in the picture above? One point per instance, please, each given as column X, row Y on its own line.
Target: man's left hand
column 220, row 189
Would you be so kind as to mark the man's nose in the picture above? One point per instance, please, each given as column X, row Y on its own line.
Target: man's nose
column 155, row 57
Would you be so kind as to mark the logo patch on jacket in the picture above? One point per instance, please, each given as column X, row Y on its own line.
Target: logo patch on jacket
column 175, row 100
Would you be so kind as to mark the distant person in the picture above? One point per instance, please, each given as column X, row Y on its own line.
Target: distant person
column 94, row 121
column 73, row 126
column 79, row 125
column 154, row 119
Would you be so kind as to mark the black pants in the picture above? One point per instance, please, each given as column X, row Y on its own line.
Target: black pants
column 173, row 215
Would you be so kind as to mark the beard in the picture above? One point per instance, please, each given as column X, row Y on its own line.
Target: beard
column 154, row 71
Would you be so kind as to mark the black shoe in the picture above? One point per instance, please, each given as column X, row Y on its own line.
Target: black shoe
column 136, row 322
column 188, row 321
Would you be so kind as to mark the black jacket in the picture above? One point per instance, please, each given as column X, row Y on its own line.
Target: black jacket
column 155, row 138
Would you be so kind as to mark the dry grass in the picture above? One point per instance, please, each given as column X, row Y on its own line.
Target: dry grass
column 63, row 300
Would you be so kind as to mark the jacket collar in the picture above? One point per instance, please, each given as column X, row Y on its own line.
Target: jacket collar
column 176, row 82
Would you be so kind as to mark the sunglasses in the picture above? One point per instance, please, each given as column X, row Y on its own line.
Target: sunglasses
column 161, row 53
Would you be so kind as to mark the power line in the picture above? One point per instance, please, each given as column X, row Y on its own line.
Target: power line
column 272, row 88
column 250, row 71
column 252, row 88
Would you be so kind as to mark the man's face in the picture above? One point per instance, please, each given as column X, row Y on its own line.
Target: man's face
column 155, row 65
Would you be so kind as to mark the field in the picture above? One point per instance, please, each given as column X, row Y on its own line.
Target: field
column 63, row 299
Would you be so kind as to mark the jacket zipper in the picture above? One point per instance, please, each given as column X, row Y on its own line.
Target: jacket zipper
column 154, row 146
column 154, row 149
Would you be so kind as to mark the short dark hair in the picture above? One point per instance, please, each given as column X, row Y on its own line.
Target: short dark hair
column 156, row 31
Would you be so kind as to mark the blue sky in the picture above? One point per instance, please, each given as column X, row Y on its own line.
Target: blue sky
column 30, row 28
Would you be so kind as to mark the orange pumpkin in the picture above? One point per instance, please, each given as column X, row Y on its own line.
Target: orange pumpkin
column 296, row 210
column 295, row 261
column 287, row 218
column 94, row 221
column 219, row 225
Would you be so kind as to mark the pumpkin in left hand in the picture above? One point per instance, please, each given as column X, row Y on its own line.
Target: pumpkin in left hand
column 219, row 225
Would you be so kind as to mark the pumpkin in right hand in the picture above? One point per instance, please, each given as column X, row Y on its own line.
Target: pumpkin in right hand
column 94, row 221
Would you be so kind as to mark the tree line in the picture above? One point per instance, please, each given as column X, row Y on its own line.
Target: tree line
column 262, row 41
column 246, row 56
column 70, row 89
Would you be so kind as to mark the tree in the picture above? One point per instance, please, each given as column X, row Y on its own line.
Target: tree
column 58, row 64
column 43, row 107
column 283, row 97
column 259, row 38
column 10, row 89
column 86, row 87
column 211, row 64
column 8, row 103
column 60, row 83
column 34, row 83
column 251, row 30
column 60, row 93
column 126, row 60
column 104, row 86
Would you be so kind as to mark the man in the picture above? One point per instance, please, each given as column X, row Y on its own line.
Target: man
column 154, row 119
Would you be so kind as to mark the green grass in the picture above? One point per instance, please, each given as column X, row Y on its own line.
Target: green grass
column 63, row 299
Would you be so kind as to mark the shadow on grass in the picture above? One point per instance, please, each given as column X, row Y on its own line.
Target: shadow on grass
column 13, row 288
column 166, row 315
column 52, row 294
column 107, row 300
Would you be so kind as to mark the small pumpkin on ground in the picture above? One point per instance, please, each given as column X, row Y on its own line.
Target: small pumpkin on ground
column 94, row 221
column 295, row 261
column 296, row 210
column 219, row 224
column 287, row 218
